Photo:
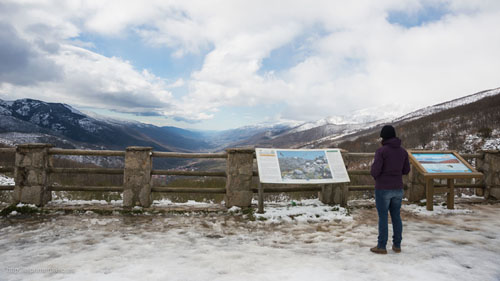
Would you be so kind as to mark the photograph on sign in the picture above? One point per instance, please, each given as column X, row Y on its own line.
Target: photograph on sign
column 301, row 166
column 441, row 163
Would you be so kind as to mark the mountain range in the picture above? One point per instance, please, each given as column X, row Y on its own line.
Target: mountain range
column 467, row 124
column 28, row 120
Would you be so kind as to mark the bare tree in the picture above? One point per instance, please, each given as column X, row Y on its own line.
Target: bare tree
column 424, row 135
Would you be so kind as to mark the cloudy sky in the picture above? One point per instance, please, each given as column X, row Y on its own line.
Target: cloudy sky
column 223, row 64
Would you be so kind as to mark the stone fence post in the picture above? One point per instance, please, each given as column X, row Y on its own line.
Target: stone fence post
column 489, row 165
column 30, row 174
column 137, row 176
column 335, row 193
column 416, row 185
column 239, row 177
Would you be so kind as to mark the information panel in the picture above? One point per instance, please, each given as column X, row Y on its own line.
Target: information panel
column 301, row 166
column 441, row 163
column 447, row 165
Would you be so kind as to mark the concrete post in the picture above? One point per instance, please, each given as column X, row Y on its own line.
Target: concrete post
column 489, row 165
column 30, row 174
column 137, row 176
column 239, row 177
column 336, row 193
column 416, row 186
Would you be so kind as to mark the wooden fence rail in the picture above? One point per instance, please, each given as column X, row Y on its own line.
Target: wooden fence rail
column 189, row 173
column 7, row 150
column 189, row 155
column 84, row 188
column 6, row 169
column 6, row 187
column 82, row 152
column 221, row 190
column 101, row 171
column 33, row 167
column 274, row 189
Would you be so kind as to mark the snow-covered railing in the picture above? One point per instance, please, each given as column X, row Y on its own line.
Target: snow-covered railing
column 33, row 167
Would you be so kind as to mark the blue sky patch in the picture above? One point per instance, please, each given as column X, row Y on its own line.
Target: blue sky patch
column 158, row 60
column 426, row 14
column 293, row 53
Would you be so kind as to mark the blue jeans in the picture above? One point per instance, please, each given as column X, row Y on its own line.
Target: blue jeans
column 389, row 200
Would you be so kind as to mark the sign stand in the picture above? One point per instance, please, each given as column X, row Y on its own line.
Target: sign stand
column 299, row 166
column 447, row 165
column 261, row 199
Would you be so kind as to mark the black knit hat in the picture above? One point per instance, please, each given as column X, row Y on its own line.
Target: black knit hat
column 388, row 132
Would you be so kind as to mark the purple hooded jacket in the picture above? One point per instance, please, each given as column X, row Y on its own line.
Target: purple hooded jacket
column 390, row 164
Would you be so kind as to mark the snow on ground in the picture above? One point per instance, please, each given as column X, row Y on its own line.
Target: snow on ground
column 437, row 210
column 68, row 202
column 309, row 210
column 452, row 245
column 4, row 180
column 169, row 203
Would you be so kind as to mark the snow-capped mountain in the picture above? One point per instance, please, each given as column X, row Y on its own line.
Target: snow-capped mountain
column 248, row 134
column 466, row 124
column 29, row 120
column 447, row 105
column 363, row 117
column 56, row 117
column 306, row 133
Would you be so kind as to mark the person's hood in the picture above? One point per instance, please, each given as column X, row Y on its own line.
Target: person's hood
column 392, row 142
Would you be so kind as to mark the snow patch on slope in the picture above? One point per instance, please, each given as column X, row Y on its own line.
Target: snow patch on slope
column 474, row 142
column 111, row 120
column 443, row 106
column 363, row 118
column 73, row 110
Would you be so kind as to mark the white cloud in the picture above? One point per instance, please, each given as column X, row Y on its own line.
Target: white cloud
column 92, row 80
column 361, row 61
column 355, row 59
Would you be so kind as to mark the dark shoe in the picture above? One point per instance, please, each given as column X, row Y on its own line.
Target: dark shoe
column 396, row 249
column 378, row 250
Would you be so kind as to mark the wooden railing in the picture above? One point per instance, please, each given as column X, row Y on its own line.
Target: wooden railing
column 33, row 167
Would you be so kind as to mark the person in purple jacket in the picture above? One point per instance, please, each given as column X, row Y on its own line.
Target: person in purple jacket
column 390, row 164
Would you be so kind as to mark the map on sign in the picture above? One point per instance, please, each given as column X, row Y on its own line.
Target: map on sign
column 441, row 163
column 301, row 166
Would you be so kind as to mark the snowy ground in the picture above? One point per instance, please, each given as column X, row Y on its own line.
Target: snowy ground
column 301, row 240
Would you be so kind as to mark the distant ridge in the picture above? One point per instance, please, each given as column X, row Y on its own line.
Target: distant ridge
column 465, row 124
column 449, row 104
column 28, row 120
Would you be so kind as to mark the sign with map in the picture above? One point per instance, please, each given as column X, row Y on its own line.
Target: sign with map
column 296, row 166
column 442, row 164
